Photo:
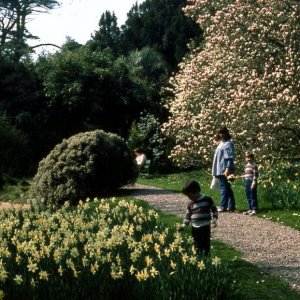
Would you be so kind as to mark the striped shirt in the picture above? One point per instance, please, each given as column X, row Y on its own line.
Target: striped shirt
column 200, row 212
column 250, row 171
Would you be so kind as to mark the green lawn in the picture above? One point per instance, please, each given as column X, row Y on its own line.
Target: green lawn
column 15, row 191
column 175, row 181
column 253, row 282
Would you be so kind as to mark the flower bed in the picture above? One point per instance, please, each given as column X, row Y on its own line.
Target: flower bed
column 103, row 250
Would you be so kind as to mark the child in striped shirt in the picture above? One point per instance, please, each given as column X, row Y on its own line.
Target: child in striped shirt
column 250, row 176
column 201, row 212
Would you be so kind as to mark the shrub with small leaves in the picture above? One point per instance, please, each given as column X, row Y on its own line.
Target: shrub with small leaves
column 86, row 165
column 147, row 135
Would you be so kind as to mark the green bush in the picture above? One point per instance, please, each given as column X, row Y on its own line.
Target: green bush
column 281, row 184
column 14, row 150
column 86, row 165
column 147, row 135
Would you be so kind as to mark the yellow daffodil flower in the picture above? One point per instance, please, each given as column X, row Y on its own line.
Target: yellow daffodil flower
column 18, row 279
column 201, row 265
column 216, row 261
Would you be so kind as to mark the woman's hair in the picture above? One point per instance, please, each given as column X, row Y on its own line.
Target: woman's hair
column 225, row 132
column 138, row 150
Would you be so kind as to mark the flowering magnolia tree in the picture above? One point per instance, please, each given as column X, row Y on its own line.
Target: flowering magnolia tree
column 245, row 75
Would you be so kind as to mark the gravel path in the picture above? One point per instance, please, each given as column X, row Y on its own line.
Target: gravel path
column 272, row 247
column 12, row 205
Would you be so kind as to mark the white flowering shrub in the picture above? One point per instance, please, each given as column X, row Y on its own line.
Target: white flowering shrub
column 86, row 165
column 245, row 76
column 147, row 135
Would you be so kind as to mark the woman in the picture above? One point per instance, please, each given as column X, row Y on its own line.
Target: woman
column 223, row 166
column 140, row 158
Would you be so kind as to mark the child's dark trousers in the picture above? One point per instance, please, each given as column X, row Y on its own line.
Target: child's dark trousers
column 201, row 236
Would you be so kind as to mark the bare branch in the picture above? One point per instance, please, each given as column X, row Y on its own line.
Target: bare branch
column 45, row 44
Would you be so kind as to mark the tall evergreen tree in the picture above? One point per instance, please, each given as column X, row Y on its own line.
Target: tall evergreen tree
column 13, row 18
column 160, row 24
column 108, row 34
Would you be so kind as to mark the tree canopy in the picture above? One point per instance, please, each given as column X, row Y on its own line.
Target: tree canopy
column 107, row 35
column 14, row 16
column 245, row 75
column 160, row 25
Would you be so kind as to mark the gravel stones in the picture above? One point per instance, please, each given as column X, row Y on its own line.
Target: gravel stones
column 272, row 247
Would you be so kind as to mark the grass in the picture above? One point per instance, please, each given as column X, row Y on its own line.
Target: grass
column 15, row 191
column 175, row 181
column 254, row 283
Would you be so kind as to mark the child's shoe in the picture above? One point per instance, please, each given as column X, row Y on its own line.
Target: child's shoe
column 252, row 213
column 247, row 212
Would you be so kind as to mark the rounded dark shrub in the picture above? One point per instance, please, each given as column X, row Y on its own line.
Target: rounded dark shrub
column 86, row 165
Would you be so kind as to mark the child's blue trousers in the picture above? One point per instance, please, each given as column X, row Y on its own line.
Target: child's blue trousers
column 251, row 195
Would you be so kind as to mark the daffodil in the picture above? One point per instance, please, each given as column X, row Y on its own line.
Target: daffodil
column 142, row 275
column 172, row 265
column 84, row 261
column 153, row 272
column 149, row 261
column 184, row 258
column 216, row 261
column 43, row 275
column 135, row 254
column 32, row 267
column 132, row 269
column 193, row 260
column 172, row 247
column 161, row 238
column 3, row 275
column 201, row 265
column 94, row 268
column 116, row 271
column 60, row 270
column 156, row 247
column 167, row 252
column 18, row 279
column 194, row 250
column 18, row 259
column 147, row 238
column 74, row 252
column 32, row 282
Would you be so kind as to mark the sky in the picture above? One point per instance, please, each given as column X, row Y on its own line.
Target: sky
column 77, row 19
